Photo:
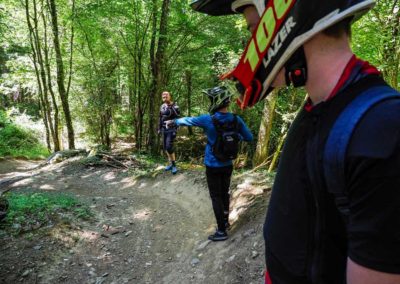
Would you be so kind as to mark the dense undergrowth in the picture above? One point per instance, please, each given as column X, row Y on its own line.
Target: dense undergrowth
column 18, row 142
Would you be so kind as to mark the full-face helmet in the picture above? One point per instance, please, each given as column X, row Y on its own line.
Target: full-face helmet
column 277, row 42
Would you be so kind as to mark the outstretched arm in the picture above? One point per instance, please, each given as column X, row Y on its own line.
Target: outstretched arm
column 199, row 121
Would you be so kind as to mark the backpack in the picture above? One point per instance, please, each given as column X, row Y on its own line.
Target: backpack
column 226, row 147
column 333, row 173
column 339, row 139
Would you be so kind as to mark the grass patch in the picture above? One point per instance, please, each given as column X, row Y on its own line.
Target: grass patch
column 18, row 142
column 140, row 165
column 148, row 165
column 151, row 165
column 28, row 211
column 150, row 160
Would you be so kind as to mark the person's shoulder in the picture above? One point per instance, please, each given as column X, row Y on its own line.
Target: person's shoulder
column 205, row 116
column 236, row 115
column 378, row 132
column 239, row 118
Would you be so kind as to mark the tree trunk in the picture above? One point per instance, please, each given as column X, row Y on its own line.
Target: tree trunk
column 56, row 139
column 42, row 106
column 39, row 70
column 188, row 76
column 277, row 153
column 60, row 75
column 153, row 86
column 390, row 29
column 395, row 50
column 157, row 68
column 71, row 49
column 264, row 135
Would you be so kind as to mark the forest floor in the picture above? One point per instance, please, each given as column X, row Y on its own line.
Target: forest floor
column 143, row 230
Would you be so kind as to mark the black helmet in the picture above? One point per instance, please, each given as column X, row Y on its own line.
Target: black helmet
column 284, row 26
column 220, row 7
column 219, row 97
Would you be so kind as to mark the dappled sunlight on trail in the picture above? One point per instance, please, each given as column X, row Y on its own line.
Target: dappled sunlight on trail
column 143, row 214
column 144, row 230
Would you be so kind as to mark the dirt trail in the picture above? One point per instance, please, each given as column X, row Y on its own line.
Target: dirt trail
column 150, row 230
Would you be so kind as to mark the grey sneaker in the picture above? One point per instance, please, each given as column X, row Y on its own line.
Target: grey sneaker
column 218, row 236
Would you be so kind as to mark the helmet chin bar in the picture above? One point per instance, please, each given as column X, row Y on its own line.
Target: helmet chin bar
column 295, row 74
column 277, row 40
column 296, row 69
column 251, row 94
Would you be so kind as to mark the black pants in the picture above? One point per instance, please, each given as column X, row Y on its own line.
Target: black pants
column 168, row 139
column 218, row 180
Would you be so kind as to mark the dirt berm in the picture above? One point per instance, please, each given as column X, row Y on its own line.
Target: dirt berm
column 144, row 230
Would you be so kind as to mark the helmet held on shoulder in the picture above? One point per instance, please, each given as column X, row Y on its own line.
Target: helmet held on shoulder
column 277, row 42
column 219, row 97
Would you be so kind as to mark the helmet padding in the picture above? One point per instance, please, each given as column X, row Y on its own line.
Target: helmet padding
column 238, row 5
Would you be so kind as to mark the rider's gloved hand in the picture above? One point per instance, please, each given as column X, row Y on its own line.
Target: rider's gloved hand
column 170, row 123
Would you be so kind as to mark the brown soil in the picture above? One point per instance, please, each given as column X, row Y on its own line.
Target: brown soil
column 148, row 230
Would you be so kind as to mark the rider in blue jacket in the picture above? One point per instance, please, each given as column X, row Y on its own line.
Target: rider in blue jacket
column 218, row 172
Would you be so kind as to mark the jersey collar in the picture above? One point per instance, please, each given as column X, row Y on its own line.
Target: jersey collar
column 355, row 70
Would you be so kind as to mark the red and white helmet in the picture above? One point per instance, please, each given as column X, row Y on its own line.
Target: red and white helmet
column 284, row 26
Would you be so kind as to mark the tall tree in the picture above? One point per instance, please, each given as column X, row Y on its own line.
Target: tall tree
column 40, row 70
column 189, row 93
column 60, row 75
column 157, row 55
column 56, row 119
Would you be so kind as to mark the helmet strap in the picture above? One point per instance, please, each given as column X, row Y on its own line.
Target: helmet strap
column 296, row 69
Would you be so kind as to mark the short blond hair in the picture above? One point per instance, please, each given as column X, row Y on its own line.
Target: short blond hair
column 339, row 29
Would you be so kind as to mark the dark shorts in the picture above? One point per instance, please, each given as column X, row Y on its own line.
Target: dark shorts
column 168, row 140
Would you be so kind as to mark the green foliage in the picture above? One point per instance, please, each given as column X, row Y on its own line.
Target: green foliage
column 112, row 62
column 18, row 142
column 148, row 165
column 31, row 209
column 122, row 124
column 376, row 38
column 152, row 165
column 148, row 162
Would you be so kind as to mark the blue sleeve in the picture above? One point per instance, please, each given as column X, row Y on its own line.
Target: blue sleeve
column 245, row 131
column 199, row 121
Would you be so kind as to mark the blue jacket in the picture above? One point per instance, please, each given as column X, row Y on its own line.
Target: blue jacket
column 205, row 121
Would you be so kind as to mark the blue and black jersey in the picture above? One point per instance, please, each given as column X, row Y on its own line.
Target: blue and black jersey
column 168, row 112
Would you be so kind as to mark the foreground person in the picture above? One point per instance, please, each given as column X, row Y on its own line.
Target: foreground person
column 334, row 212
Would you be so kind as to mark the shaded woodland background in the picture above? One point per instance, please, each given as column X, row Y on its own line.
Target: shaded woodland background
column 91, row 71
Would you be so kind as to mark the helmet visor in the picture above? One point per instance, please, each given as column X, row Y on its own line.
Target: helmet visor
column 213, row 7
column 252, row 73
column 283, row 27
